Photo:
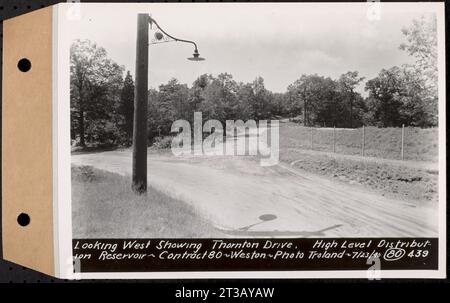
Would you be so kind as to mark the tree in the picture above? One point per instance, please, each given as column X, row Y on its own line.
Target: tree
column 245, row 96
column 95, row 81
column 409, row 94
column 156, row 125
column 278, row 104
column 299, row 92
column 419, row 105
column 168, row 104
column 196, row 93
column 220, row 98
column 397, row 96
column 386, row 92
column 261, row 104
column 174, row 96
column 313, row 95
column 422, row 45
column 127, row 107
column 347, row 84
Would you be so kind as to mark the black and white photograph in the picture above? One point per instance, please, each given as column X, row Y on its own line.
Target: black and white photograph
column 253, row 126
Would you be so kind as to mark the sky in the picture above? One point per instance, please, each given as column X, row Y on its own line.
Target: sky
column 278, row 42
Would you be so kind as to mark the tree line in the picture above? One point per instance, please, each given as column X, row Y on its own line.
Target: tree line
column 102, row 96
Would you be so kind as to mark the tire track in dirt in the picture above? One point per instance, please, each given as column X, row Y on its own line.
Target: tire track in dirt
column 304, row 205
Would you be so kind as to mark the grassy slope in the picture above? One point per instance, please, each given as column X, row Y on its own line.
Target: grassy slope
column 400, row 182
column 396, row 181
column 104, row 206
column 420, row 144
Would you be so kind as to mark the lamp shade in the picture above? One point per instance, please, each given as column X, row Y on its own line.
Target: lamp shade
column 196, row 56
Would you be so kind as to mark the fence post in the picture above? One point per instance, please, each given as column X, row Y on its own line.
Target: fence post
column 403, row 141
column 363, row 143
column 312, row 137
column 334, row 138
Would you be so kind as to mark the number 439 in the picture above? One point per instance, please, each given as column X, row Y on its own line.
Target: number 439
column 418, row 253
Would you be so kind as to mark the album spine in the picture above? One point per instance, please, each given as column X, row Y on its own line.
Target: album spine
column 27, row 152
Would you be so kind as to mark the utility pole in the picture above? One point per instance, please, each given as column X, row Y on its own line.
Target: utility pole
column 139, row 175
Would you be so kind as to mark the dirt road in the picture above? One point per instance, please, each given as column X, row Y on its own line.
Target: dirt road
column 235, row 193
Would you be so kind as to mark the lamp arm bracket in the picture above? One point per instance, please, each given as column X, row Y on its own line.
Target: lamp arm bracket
column 153, row 21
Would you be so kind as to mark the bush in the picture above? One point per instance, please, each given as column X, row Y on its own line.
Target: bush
column 163, row 142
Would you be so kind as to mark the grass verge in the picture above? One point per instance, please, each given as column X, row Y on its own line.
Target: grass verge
column 390, row 180
column 104, row 206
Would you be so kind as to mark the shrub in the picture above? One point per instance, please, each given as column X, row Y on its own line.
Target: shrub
column 163, row 142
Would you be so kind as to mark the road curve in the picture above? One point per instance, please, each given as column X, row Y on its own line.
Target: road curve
column 233, row 193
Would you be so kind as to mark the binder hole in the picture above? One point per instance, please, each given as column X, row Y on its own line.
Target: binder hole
column 24, row 65
column 23, row 219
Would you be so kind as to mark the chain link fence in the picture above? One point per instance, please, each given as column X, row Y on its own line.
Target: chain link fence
column 400, row 143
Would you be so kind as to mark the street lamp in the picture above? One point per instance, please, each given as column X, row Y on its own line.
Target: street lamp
column 139, row 166
column 161, row 36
